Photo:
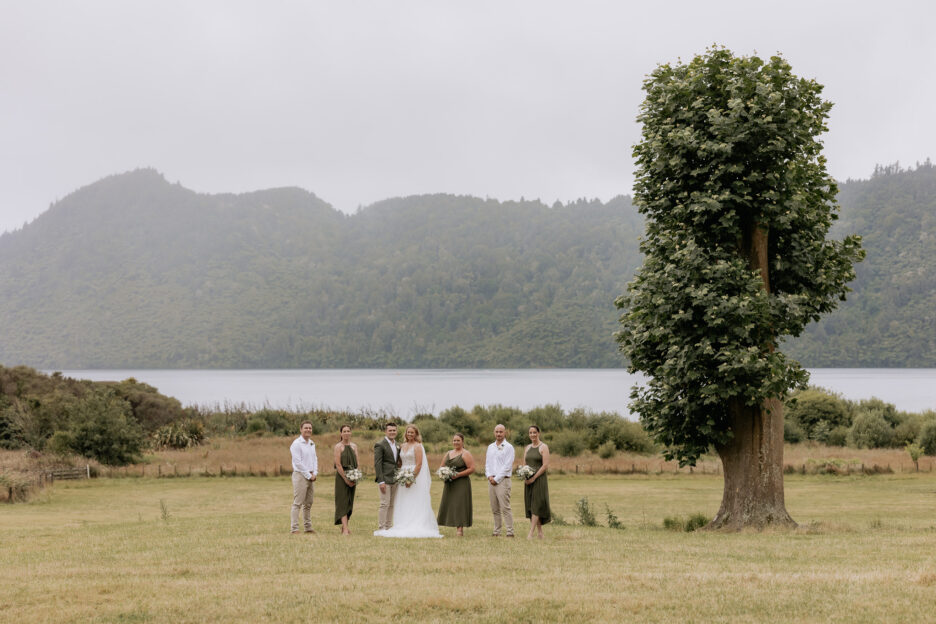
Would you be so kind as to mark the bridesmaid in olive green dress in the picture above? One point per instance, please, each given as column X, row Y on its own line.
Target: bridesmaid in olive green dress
column 456, row 506
column 346, row 458
column 536, row 488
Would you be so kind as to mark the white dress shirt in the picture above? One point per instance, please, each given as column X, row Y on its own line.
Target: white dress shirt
column 304, row 459
column 499, row 461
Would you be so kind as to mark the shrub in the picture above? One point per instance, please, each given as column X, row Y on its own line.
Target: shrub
column 61, row 443
column 625, row 434
column 817, row 412
column 434, row 431
column 179, row 435
column 11, row 432
column 256, row 425
column 586, row 516
column 103, row 428
column 915, row 450
column 613, row 522
column 928, row 438
column 870, row 430
column 908, row 431
column 838, row 437
column 689, row 524
column 792, row 432
column 280, row 422
column 887, row 410
column 607, row 450
column 150, row 408
column 567, row 444
column 460, row 420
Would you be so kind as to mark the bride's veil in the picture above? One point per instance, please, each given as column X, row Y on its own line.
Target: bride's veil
column 424, row 483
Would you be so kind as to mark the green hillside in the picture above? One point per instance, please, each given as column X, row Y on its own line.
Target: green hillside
column 135, row 272
column 890, row 318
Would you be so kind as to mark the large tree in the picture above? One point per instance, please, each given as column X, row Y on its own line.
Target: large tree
column 738, row 203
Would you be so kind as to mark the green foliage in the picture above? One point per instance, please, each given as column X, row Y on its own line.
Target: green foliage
column 583, row 511
column 11, row 432
column 915, row 451
column 887, row 322
column 61, row 443
column 613, row 522
column 728, row 154
column 285, row 280
column 434, row 431
column 623, row 434
column 103, row 428
column 180, row 435
column 928, row 437
column 461, row 421
column 816, row 413
column 607, row 450
column 688, row 524
column 870, row 430
column 567, row 444
column 458, row 281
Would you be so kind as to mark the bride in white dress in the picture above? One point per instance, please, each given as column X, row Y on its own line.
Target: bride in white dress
column 412, row 509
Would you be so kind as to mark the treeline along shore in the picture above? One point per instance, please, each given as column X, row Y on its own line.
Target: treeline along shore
column 128, row 428
column 136, row 272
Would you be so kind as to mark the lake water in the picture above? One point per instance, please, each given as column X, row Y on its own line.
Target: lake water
column 409, row 391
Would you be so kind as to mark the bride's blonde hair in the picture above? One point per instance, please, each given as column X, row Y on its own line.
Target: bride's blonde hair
column 417, row 437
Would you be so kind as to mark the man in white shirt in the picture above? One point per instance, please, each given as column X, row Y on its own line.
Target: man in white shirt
column 497, row 468
column 305, row 471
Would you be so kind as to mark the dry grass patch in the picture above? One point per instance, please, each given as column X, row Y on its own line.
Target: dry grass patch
column 102, row 551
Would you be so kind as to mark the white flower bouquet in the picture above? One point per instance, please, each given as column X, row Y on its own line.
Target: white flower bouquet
column 446, row 473
column 404, row 476
column 524, row 472
column 353, row 475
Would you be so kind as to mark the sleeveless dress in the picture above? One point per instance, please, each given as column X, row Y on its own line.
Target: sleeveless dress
column 412, row 509
column 536, row 496
column 455, row 508
column 344, row 495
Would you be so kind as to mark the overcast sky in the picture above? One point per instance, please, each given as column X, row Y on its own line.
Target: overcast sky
column 360, row 101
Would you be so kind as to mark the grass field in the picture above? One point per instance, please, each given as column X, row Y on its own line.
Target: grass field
column 218, row 550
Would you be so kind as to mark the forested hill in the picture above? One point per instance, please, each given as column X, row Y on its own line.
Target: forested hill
column 135, row 272
column 890, row 318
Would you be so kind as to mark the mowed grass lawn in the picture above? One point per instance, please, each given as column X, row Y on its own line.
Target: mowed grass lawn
column 102, row 551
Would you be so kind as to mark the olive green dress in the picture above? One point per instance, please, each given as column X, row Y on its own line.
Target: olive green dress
column 455, row 508
column 536, row 496
column 344, row 495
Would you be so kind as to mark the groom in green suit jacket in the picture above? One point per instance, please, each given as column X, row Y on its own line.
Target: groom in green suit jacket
column 386, row 461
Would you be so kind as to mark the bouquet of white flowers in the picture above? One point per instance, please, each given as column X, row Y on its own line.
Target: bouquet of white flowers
column 353, row 475
column 524, row 472
column 404, row 476
column 446, row 473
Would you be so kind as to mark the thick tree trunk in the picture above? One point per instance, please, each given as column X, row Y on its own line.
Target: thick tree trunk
column 753, row 464
column 753, row 459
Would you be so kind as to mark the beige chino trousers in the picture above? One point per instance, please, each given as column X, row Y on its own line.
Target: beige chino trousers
column 302, row 499
column 500, row 506
column 385, row 512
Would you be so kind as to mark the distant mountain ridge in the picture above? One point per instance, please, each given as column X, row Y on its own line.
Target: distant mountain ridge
column 135, row 272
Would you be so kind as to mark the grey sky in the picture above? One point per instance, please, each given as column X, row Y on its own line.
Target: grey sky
column 360, row 101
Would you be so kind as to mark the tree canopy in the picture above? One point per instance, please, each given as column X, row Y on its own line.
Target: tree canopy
column 738, row 205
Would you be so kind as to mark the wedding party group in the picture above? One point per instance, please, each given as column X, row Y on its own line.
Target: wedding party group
column 403, row 481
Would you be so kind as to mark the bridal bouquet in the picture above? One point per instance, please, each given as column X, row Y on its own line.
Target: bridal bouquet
column 524, row 472
column 353, row 475
column 446, row 473
column 404, row 476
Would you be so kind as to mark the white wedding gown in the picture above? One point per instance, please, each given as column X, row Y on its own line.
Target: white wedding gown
column 412, row 507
